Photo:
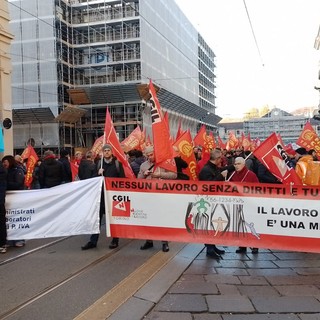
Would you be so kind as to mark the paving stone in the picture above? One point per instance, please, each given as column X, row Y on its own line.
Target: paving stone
column 192, row 277
column 225, row 279
column 236, row 256
column 232, row 271
column 231, row 303
column 231, row 264
column 297, row 263
column 253, row 280
column 272, row 272
column 257, row 291
column 261, row 264
column 202, row 287
column 293, row 280
column 307, row 271
column 228, row 289
column 314, row 316
column 182, row 303
column 300, row 290
column 285, row 304
column 133, row 309
column 168, row 316
column 262, row 256
column 296, row 256
column 260, row 317
column 207, row 316
column 199, row 269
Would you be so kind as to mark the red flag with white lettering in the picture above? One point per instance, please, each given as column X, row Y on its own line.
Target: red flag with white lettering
column 97, row 146
column 133, row 140
column 272, row 154
column 161, row 136
column 110, row 137
column 309, row 138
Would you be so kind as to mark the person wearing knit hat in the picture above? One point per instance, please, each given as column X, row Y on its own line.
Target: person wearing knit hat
column 107, row 146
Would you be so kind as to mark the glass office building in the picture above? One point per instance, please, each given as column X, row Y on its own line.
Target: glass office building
column 72, row 59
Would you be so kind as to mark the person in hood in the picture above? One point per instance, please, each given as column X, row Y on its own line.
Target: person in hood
column 51, row 172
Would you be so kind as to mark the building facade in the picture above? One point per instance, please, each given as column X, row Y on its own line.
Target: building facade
column 77, row 57
column 281, row 122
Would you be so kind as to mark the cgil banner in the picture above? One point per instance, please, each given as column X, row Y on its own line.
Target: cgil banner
column 65, row 210
column 271, row 216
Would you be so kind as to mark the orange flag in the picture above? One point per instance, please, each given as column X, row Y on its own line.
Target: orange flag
column 232, row 142
column 97, row 146
column 110, row 137
column 245, row 142
column 184, row 144
column 161, row 136
column 133, row 140
column 31, row 163
column 309, row 139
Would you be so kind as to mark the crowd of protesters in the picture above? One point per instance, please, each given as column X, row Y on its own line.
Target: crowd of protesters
column 221, row 165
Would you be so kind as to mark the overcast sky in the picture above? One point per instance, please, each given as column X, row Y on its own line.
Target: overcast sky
column 285, row 71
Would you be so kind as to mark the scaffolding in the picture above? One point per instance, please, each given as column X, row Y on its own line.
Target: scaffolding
column 98, row 45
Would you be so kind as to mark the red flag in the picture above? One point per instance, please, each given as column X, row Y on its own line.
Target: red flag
column 74, row 170
column 222, row 145
column 211, row 141
column 199, row 139
column 110, row 137
column 97, row 146
column 179, row 131
column 272, row 155
column 26, row 152
column 184, row 144
column 31, row 163
column 309, row 139
column 133, row 140
column 161, row 136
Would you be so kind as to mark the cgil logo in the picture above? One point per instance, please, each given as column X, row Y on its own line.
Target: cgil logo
column 121, row 206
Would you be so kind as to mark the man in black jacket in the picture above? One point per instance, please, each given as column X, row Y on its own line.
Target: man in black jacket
column 112, row 168
column 87, row 168
column 65, row 160
column 212, row 171
column 51, row 171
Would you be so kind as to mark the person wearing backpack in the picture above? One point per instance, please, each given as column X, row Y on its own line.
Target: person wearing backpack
column 112, row 168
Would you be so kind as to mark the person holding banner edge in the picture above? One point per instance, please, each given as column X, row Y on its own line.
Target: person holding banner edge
column 212, row 171
column 111, row 168
column 148, row 171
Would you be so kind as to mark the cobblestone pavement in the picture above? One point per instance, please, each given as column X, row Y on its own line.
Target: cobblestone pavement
column 270, row 285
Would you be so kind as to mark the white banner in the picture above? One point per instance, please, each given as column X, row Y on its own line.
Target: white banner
column 237, row 214
column 65, row 210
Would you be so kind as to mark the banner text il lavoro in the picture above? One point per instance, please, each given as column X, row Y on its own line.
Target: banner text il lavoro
column 257, row 215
